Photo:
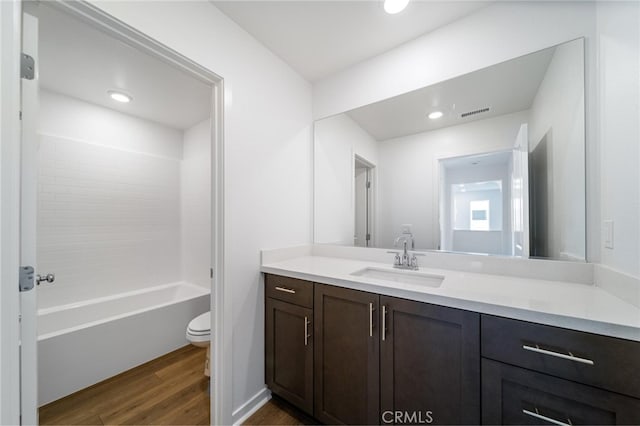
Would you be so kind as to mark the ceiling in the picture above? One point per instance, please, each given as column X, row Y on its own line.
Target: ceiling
column 82, row 62
column 504, row 88
column 319, row 38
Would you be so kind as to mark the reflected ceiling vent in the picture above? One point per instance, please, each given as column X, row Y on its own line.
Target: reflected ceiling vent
column 474, row 112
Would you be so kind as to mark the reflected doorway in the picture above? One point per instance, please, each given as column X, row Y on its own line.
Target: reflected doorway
column 363, row 200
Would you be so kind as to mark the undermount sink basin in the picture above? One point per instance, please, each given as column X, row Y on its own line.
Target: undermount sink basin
column 399, row 276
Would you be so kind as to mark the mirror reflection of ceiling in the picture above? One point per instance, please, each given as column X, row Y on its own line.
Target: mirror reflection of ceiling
column 84, row 63
column 504, row 88
column 492, row 159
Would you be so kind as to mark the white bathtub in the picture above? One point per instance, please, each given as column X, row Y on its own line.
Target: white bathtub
column 83, row 343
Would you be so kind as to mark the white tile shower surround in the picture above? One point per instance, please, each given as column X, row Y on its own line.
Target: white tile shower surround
column 556, row 293
column 106, row 217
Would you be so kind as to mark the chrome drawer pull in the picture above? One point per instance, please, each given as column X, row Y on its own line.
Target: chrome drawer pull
column 570, row 356
column 545, row 418
column 306, row 331
column 371, row 319
column 384, row 322
column 286, row 290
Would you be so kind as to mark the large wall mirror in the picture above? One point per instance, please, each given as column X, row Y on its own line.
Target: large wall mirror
column 491, row 162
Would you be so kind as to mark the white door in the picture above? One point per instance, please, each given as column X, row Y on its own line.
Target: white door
column 361, row 208
column 520, row 194
column 28, row 209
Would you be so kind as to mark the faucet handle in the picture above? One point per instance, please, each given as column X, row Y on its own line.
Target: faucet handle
column 413, row 262
column 396, row 261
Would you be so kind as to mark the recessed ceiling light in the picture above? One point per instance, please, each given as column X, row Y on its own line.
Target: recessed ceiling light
column 119, row 96
column 395, row 6
column 435, row 115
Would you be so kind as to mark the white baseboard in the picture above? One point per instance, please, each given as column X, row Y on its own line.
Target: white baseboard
column 242, row 413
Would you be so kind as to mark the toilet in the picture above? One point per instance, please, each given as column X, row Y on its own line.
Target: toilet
column 199, row 334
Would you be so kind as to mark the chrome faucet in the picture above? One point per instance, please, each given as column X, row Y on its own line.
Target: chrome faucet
column 406, row 237
column 405, row 260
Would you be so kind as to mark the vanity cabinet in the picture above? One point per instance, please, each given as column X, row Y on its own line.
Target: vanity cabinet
column 347, row 356
column 533, row 374
column 352, row 357
column 429, row 362
column 516, row 396
column 289, row 340
column 380, row 357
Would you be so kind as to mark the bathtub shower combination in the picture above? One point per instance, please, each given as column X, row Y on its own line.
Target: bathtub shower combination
column 83, row 343
column 125, row 226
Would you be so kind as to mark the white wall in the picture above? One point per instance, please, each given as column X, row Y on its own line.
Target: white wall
column 108, row 217
column 195, row 205
column 408, row 174
column 74, row 119
column 558, row 113
column 337, row 140
column 618, row 41
column 268, row 160
column 494, row 34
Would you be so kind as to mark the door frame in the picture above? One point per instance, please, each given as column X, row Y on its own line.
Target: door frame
column 221, row 318
column 10, row 134
column 371, row 196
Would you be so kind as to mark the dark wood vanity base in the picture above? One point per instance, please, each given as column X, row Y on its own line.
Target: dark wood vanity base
column 352, row 357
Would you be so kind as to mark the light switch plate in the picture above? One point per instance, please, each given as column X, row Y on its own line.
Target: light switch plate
column 607, row 232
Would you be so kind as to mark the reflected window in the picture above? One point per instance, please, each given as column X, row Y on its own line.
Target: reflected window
column 479, row 215
column 477, row 206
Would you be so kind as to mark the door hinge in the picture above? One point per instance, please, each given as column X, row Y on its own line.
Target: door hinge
column 368, row 184
column 27, row 67
column 368, row 237
column 210, row 272
column 26, row 278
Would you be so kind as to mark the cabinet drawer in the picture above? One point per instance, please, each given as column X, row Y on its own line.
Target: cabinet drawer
column 592, row 359
column 515, row 396
column 292, row 290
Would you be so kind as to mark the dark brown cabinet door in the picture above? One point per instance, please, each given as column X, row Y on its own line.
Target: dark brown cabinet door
column 347, row 367
column 289, row 352
column 429, row 363
column 515, row 396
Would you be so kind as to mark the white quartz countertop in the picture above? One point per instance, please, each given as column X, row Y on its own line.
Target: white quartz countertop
column 575, row 306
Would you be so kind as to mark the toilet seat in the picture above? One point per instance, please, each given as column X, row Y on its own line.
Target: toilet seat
column 199, row 330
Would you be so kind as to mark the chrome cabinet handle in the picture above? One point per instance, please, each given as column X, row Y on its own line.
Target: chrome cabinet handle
column 306, row 331
column 286, row 290
column 370, row 319
column 384, row 322
column 545, row 418
column 570, row 356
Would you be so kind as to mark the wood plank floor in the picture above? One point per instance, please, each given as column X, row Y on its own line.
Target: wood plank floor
column 279, row 412
column 170, row 390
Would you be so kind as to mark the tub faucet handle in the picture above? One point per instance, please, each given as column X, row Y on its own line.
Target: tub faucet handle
column 46, row 278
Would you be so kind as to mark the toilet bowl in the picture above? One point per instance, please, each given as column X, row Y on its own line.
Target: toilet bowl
column 199, row 330
column 199, row 334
